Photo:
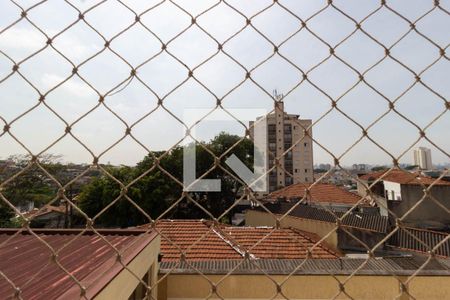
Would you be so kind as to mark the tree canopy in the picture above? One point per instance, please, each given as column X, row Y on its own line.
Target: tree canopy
column 6, row 215
column 154, row 191
column 33, row 185
column 379, row 168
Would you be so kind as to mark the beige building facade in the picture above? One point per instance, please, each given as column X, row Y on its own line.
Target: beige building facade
column 289, row 139
column 325, row 230
column 255, row 286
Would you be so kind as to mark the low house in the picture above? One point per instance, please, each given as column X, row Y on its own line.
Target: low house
column 318, row 208
column 351, row 278
column 318, row 195
column 48, row 216
column 197, row 240
column 56, row 264
column 337, row 229
column 203, row 260
column 206, row 260
column 189, row 244
column 400, row 191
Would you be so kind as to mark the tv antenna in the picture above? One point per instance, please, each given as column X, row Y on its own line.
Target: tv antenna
column 278, row 97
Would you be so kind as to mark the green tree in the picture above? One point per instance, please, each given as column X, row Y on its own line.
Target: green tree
column 152, row 193
column 6, row 215
column 379, row 168
column 413, row 167
column 32, row 186
column 155, row 191
column 217, row 202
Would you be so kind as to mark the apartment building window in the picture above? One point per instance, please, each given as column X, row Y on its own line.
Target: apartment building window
column 272, row 179
column 306, row 170
column 288, row 180
column 296, row 171
column 288, row 133
column 272, row 133
column 288, row 165
column 289, row 155
column 287, row 128
column 305, row 144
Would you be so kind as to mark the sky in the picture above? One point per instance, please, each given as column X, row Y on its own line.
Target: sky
column 134, row 103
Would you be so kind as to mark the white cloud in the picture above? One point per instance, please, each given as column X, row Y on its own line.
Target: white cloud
column 71, row 86
column 20, row 38
column 70, row 45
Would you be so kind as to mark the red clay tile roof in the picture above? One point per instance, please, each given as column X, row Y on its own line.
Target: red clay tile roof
column 402, row 177
column 202, row 241
column 278, row 243
column 321, row 192
column 193, row 237
column 27, row 262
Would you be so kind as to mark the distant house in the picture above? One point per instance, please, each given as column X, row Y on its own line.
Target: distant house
column 317, row 209
column 48, row 216
column 318, row 195
column 314, row 195
column 399, row 191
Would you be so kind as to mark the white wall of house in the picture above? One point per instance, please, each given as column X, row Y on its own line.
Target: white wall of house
column 393, row 190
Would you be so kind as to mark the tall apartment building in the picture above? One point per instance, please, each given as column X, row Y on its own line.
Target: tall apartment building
column 283, row 131
column 422, row 158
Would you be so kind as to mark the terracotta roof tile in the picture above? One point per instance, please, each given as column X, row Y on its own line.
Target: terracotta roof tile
column 193, row 237
column 278, row 243
column 324, row 193
column 402, row 177
column 201, row 240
